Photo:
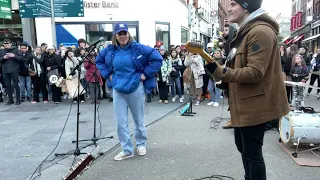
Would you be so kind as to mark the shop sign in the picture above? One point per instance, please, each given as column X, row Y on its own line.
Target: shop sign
column 102, row 4
column 293, row 23
column 299, row 19
column 5, row 9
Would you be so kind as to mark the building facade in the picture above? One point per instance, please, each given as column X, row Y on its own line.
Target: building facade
column 300, row 25
column 223, row 12
column 202, row 19
column 150, row 22
column 284, row 26
column 314, row 41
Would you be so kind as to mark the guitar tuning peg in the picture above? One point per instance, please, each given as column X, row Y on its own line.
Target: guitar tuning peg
column 79, row 162
column 64, row 178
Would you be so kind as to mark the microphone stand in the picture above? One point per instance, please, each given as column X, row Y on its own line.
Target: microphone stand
column 94, row 139
column 77, row 151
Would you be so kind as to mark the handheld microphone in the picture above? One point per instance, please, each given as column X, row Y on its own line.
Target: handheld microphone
column 101, row 39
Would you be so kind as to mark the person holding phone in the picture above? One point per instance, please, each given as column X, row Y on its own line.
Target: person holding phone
column 10, row 58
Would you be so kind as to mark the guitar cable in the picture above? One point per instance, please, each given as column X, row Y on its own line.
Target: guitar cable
column 216, row 121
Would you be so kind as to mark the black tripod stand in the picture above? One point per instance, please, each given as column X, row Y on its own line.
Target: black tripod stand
column 77, row 150
column 94, row 139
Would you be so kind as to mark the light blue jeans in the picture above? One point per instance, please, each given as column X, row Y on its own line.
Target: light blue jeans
column 215, row 92
column 135, row 101
column 25, row 84
column 175, row 83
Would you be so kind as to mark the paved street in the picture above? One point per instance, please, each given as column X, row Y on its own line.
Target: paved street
column 186, row 148
column 29, row 132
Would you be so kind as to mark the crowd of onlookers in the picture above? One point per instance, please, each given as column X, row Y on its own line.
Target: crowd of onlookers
column 26, row 71
column 300, row 66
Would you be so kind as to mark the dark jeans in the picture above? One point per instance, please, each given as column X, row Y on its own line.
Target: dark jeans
column 205, row 84
column 182, row 85
column 104, row 88
column 8, row 77
column 56, row 93
column 249, row 141
column 289, row 93
column 39, row 84
column 313, row 79
column 163, row 90
column 94, row 89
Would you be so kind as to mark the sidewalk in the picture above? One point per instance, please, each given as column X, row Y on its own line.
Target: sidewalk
column 29, row 132
column 182, row 148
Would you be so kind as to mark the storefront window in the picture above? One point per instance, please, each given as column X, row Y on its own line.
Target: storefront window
column 12, row 29
column 95, row 31
column 194, row 35
column 184, row 36
column 163, row 34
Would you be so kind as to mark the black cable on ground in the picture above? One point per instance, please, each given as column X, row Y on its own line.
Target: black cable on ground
column 62, row 131
column 40, row 165
column 215, row 122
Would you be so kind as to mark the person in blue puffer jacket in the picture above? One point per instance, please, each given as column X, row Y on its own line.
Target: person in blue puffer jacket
column 131, row 68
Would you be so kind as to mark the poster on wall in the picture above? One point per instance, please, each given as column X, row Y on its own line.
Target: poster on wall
column 68, row 34
column 5, row 9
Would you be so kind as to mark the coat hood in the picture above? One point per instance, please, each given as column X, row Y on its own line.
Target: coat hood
column 258, row 17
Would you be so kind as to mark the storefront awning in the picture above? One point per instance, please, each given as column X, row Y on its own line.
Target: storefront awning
column 311, row 38
column 289, row 41
column 284, row 39
column 298, row 38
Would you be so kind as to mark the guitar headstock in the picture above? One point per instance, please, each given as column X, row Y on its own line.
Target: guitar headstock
column 76, row 170
column 195, row 47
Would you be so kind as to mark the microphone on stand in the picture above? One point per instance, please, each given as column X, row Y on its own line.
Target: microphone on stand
column 101, row 39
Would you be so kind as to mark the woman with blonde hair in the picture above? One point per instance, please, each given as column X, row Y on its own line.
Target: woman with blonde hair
column 131, row 69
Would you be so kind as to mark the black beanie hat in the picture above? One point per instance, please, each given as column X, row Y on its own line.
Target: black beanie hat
column 250, row 5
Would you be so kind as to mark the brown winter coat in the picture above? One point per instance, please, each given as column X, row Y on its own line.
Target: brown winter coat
column 256, row 89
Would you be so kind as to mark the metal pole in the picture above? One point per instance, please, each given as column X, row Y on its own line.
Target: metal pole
column 53, row 25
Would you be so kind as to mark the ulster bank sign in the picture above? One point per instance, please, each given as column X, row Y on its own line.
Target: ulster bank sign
column 101, row 4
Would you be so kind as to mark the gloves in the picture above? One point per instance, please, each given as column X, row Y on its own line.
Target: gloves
column 211, row 67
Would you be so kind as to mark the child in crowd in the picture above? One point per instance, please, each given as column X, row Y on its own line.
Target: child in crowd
column 299, row 72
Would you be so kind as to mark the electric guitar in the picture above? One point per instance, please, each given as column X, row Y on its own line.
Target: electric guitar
column 197, row 48
column 75, row 172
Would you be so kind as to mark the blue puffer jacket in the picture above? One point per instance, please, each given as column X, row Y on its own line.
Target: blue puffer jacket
column 146, row 60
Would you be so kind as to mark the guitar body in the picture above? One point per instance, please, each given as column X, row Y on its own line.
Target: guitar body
column 196, row 48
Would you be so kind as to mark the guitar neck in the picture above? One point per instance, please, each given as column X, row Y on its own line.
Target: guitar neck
column 206, row 57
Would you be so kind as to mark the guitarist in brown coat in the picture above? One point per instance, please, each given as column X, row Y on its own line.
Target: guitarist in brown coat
column 256, row 90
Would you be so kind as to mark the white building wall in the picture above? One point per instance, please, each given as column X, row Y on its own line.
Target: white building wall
column 146, row 12
column 203, row 19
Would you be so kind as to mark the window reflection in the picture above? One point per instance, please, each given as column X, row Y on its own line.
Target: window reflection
column 163, row 35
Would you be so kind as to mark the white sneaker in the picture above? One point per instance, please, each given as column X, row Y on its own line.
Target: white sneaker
column 142, row 151
column 197, row 103
column 65, row 96
column 121, row 156
column 221, row 97
column 182, row 97
column 210, row 103
column 181, row 100
column 174, row 99
column 216, row 104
